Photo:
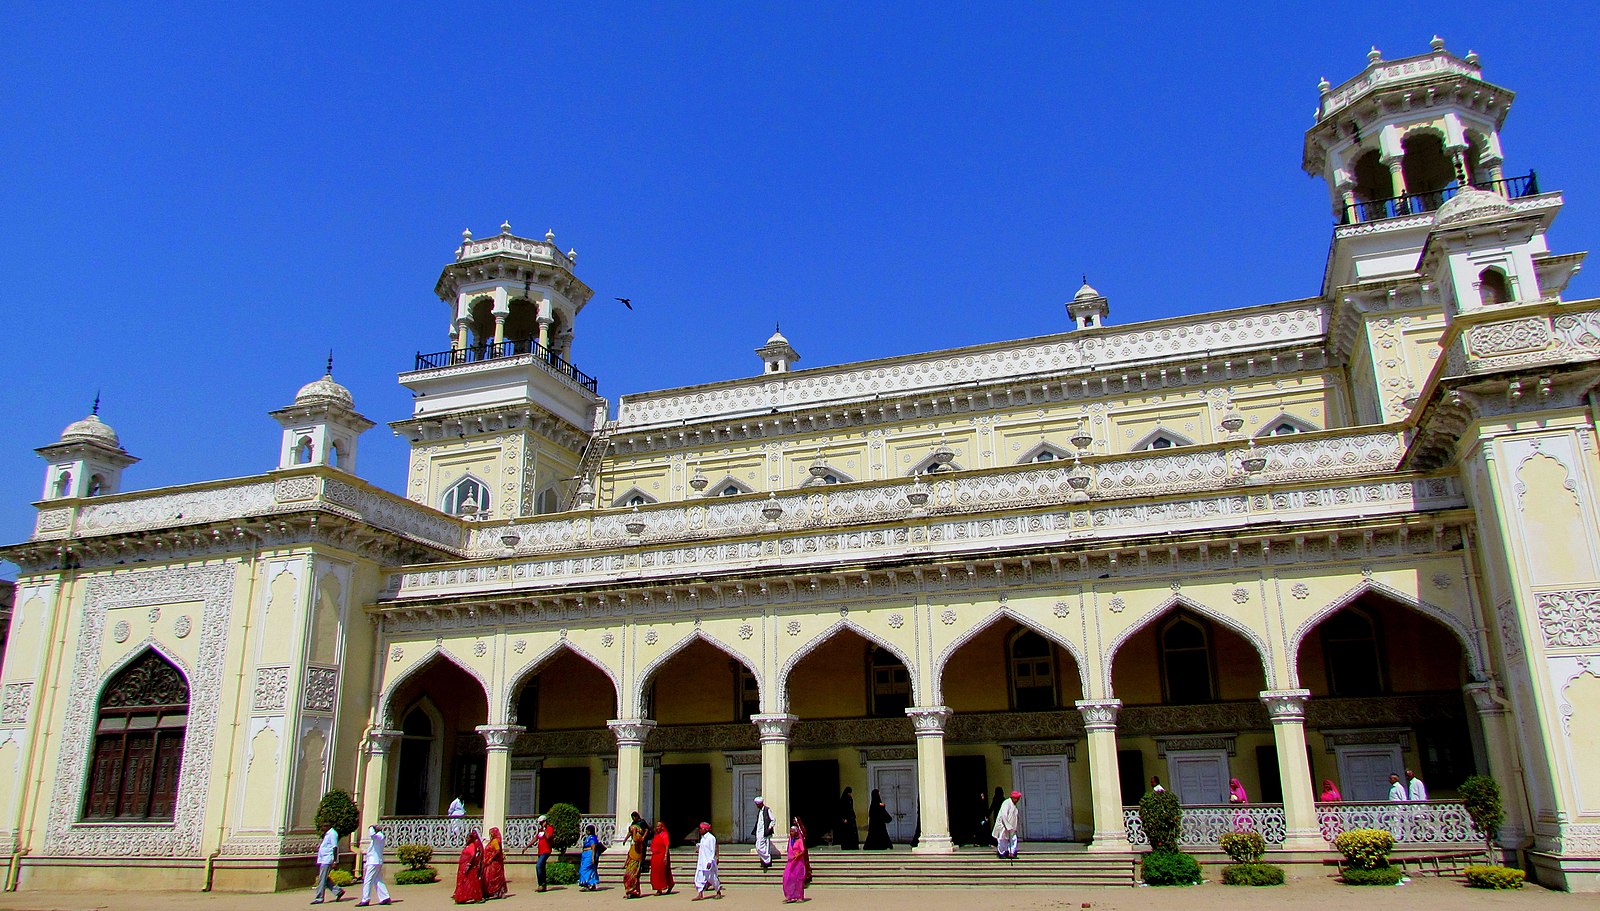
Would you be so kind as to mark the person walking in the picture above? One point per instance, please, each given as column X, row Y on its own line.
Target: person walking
column 458, row 818
column 589, row 862
column 543, row 835
column 660, row 862
column 1155, row 784
column 634, row 864
column 705, row 865
column 1007, row 823
column 1239, row 798
column 327, row 856
column 1397, row 818
column 846, row 835
column 797, row 869
column 763, row 833
column 372, row 870
column 494, row 865
column 1328, row 817
column 878, row 819
column 1415, row 789
column 469, row 872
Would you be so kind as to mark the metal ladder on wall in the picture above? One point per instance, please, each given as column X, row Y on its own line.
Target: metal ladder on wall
column 589, row 463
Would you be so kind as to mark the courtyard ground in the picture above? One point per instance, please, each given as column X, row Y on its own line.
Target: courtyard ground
column 1421, row 894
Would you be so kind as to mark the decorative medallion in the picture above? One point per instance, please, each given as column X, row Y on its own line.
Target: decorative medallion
column 1061, row 609
column 519, row 646
column 793, row 627
column 1118, row 605
column 897, row 620
column 746, row 631
column 155, row 614
column 1441, row 580
column 121, row 631
column 480, row 648
column 1301, row 591
column 183, row 627
column 650, row 636
column 1241, row 595
column 1177, row 586
column 608, row 639
column 396, row 653
column 322, row 689
column 948, row 617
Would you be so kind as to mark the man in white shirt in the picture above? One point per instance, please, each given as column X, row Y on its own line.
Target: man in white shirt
column 1417, row 790
column 1007, row 822
column 458, row 826
column 327, row 856
column 705, row 865
column 1397, row 821
column 372, row 872
column 763, row 833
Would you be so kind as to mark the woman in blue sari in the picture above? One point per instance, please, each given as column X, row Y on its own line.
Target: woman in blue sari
column 589, row 865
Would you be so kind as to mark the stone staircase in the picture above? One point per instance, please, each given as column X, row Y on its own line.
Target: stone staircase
column 1044, row 866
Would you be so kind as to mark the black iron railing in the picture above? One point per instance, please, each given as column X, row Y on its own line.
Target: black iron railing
column 489, row 351
column 1417, row 203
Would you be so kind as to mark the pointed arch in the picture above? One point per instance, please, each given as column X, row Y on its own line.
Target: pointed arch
column 1464, row 635
column 838, row 626
column 515, row 679
column 385, row 699
column 642, row 681
column 936, row 676
column 1045, row 451
column 1161, row 438
column 729, row 483
column 930, row 465
column 633, row 496
column 1177, row 602
column 134, row 654
column 1284, row 425
column 829, row 476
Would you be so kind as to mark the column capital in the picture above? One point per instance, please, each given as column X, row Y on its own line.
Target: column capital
column 1484, row 698
column 927, row 720
column 773, row 728
column 1286, row 705
column 379, row 741
column 631, row 732
column 1099, row 714
column 500, row 737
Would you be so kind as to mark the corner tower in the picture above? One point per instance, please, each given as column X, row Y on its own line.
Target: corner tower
column 502, row 417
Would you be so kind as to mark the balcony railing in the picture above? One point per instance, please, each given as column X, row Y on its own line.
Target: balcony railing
column 1203, row 825
column 446, row 834
column 1418, row 203
column 1432, row 822
column 490, row 351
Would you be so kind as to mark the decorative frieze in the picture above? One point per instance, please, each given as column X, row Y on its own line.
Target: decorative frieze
column 1570, row 619
column 1182, row 742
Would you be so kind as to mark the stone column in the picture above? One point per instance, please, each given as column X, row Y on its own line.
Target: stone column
column 773, row 730
column 498, row 740
column 1100, row 729
column 630, row 733
column 1287, row 709
column 499, row 328
column 1503, row 765
column 933, row 814
column 1397, row 175
column 374, row 787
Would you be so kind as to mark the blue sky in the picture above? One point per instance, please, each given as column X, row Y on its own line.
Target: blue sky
column 199, row 201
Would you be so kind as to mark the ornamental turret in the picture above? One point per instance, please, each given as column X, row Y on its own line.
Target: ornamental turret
column 321, row 427
column 87, row 461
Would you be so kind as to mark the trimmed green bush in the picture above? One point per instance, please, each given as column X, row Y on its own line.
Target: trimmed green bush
column 1171, row 868
column 561, row 873
column 337, row 810
column 1484, row 877
column 1244, row 847
column 1162, row 818
column 1365, row 849
column 341, row 878
column 415, row 857
column 1480, row 795
column 1252, row 874
column 1381, row 876
column 565, row 819
column 416, row 877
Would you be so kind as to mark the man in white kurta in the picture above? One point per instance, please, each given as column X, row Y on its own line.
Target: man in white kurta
column 1007, row 823
column 327, row 856
column 372, row 871
column 763, row 833
column 1397, row 819
column 705, row 865
column 1417, row 790
column 458, row 823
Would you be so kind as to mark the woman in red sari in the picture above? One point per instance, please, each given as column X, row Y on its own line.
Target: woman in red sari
column 469, row 872
column 494, row 866
column 660, row 869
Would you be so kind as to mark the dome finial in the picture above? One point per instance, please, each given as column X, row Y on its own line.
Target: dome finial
column 549, row 235
column 96, row 409
column 1437, row 44
column 466, row 235
column 330, row 362
column 505, row 226
column 1324, row 86
column 1374, row 55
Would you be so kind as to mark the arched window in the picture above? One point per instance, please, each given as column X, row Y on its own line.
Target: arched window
column 730, row 487
column 747, row 692
column 1033, row 672
column 1493, row 288
column 1186, row 675
column 336, row 453
column 546, row 501
column 138, row 743
column 420, row 762
column 633, row 496
column 466, row 497
column 1044, row 452
column 302, row 451
column 1350, row 651
column 891, row 684
column 528, row 704
column 64, row 484
column 97, row 485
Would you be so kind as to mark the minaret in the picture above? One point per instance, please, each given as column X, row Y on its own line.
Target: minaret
column 777, row 354
column 1088, row 308
column 321, row 427
column 87, row 461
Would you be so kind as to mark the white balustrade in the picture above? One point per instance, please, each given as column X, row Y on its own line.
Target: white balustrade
column 444, row 834
column 1430, row 822
column 1203, row 825
column 521, row 830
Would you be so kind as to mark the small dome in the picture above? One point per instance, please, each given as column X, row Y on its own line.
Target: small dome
column 1468, row 204
column 777, row 338
column 323, row 391
column 1085, row 293
column 90, row 428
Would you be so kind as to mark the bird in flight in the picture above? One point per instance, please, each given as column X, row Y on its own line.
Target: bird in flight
column 626, row 302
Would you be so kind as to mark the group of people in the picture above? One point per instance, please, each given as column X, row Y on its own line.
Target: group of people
column 372, row 878
column 847, row 836
column 481, row 869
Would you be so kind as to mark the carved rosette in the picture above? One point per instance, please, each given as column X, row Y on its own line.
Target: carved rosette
column 500, row 738
column 929, row 720
column 1483, row 699
column 379, row 741
column 1284, row 706
column 631, row 732
column 773, row 728
column 1099, row 714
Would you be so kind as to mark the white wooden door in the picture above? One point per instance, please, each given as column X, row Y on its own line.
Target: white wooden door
column 1046, row 797
column 897, row 785
column 1364, row 771
column 647, row 793
column 519, row 796
column 746, row 788
column 1199, row 776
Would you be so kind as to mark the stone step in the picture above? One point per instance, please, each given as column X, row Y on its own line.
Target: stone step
column 1045, row 868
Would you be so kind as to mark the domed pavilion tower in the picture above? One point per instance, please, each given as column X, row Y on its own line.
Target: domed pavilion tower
column 86, row 462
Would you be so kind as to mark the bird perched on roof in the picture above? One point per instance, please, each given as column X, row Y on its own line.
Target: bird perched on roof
column 626, row 302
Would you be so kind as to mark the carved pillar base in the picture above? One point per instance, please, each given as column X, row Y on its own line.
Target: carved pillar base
column 631, row 734
column 933, row 814
column 1105, row 785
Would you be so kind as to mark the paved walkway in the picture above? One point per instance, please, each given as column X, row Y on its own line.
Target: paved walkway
column 1422, row 894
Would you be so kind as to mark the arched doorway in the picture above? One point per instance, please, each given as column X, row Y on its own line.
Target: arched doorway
column 565, row 702
column 138, row 743
column 441, row 753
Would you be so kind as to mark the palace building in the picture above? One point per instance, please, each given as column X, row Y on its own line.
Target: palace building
column 1328, row 538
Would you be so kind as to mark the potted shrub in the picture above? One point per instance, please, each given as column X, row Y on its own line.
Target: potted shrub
column 417, row 871
column 1366, row 857
column 1165, row 865
column 1246, row 849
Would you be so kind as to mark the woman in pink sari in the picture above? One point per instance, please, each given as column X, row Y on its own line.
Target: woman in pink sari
column 1329, row 816
column 797, row 867
column 1238, row 797
column 469, row 872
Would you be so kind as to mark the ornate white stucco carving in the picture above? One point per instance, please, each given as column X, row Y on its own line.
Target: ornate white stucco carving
column 1570, row 619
